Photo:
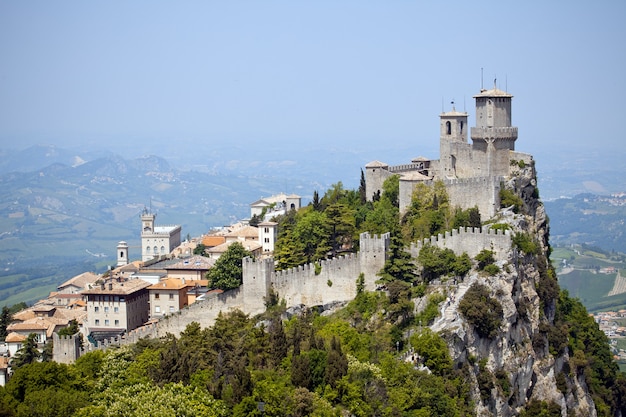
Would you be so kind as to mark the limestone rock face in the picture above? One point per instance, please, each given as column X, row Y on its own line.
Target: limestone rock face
column 518, row 357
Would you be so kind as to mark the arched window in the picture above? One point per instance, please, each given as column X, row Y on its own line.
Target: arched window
column 147, row 249
column 156, row 250
column 448, row 128
column 121, row 254
column 461, row 126
column 162, row 249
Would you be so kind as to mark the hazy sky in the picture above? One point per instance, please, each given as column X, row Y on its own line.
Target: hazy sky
column 353, row 73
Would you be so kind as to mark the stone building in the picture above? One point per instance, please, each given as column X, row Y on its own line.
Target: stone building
column 472, row 172
column 115, row 307
column 169, row 296
column 156, row 240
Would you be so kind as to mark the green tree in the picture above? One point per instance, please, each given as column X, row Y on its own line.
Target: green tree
column 341, row 224
column 5, row 320
column 391, row 190
column 399, row 265
column 433, row 351
column 28, row 353
column 481, row 310
column 199, row 249
column 362, row 189
column 227, row 273
column 436, row 262
column 313, row 237
column 46, row 389
column 337, row 363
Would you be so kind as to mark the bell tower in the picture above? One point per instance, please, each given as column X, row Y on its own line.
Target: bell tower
column 453, row 135
column 122, row 253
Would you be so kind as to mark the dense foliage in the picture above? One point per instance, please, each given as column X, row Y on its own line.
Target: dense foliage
column 307, row 366
column 227, row 273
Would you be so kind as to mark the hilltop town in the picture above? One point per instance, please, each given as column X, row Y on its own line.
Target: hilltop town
column 493, row 236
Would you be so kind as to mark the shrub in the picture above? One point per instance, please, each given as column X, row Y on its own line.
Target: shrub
column 481, row 310
column 484, row 258
column 491, row 269
column 509, row 198
column 525, row 243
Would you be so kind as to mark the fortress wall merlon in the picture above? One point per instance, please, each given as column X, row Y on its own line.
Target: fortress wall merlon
column 469, row 240
column 406, row 167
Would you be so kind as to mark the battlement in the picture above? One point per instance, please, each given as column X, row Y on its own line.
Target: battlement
column 333, row 263
column 470, row 240
column 406, row 167
column 374, row 243
column 509, row 133
column 471, row 181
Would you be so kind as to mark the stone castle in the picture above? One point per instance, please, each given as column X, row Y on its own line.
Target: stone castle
column 472, row 173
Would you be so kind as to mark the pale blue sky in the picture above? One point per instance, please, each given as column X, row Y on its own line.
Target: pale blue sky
column 342, row 73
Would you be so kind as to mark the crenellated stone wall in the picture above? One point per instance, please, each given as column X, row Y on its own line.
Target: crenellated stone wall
column 470, row 240
column 335, row 280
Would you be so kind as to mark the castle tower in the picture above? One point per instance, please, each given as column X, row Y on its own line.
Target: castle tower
column 453, row 135
column 493, row 133
column 122, row 253
column 493, row 121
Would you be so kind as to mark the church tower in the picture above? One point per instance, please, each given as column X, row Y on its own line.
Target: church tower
column 122, row 253
column 453, row 135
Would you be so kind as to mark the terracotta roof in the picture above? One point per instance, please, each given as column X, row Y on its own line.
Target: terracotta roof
column 172, row 284
column 213, row 240
column 81, row 280
column 62, row 295
column 27, row 325
column 192, row 263
column 245, row 232
column 14, row 337
column 24, row 315
column 131, row 267
column 414, row 176
column 119, row 288
column 249, row 245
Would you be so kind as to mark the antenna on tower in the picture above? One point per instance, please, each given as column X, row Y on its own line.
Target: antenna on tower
column 464, row 109
column 481, row 79
column 506, row 82
column 442, row 104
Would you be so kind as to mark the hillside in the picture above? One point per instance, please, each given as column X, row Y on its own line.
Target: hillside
column 444, row 334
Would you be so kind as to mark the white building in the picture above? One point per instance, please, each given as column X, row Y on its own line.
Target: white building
column 157, row 240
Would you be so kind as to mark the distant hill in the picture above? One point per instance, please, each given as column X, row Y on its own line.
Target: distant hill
column 590, row 219
column 63, row 219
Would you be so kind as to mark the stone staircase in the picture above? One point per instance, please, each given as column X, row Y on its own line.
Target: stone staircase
column 449, row 316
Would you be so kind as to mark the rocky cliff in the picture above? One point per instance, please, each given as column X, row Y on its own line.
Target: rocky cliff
column 524, row 357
